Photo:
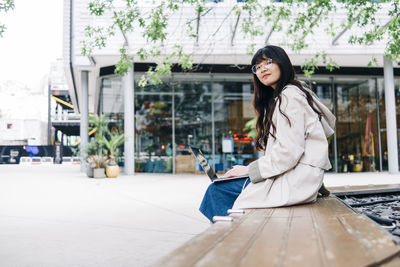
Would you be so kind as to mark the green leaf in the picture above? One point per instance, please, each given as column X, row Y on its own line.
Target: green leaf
column 124, row 64
column 6, row 5
column 297, row 19
column 98, row 7
column 250, row 127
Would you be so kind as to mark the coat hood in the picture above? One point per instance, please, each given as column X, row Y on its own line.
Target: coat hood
column 328, row 120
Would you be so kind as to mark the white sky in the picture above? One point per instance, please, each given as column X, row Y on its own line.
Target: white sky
column 32, row 40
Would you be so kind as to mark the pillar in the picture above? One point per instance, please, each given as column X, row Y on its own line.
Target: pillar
column 391, row 125
column 129, row 102
column 84, row 110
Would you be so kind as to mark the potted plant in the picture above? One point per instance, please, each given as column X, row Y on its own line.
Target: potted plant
column 96, row 163
column 91, row 149
column 96, row 154
column 111, row 144
column 99, row 123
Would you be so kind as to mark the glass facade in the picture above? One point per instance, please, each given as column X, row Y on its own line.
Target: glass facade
column 357, row 131
column 232, row 109
column 193, row 121
column 153, row 139
column 210, row 112
column 112, row 102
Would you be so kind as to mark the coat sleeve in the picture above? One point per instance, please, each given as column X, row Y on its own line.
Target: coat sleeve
column 289, row 145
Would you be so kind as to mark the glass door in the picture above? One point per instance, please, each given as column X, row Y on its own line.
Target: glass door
column 232, row 105
column 357, row 128
column 193, row 122
column 323, row 89
column 153, row 133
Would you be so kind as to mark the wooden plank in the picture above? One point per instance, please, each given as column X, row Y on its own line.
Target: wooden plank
column 193, row 250
column 339, row 246
column 303, row 248
column 331, row 206
column 378, row 243
column 267, row 247
column 326, row 233
column 231, row 249
column 352, row 188
column 286, row 241
column 394, row 262
column 301, row 210
column 281, row 212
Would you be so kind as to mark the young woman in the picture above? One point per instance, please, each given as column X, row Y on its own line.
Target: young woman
column 292, row 128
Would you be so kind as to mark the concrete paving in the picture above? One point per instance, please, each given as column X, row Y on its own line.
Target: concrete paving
column 56, row 216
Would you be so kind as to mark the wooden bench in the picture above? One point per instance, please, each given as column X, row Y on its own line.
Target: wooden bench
column 325, row 233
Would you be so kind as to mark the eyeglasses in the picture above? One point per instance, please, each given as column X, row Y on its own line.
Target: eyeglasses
column 266, row 64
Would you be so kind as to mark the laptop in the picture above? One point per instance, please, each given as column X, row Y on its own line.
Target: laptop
column 208, row 169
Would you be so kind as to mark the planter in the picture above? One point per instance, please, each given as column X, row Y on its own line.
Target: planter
column 98, row 173
column 112, row 171
column 89, row 171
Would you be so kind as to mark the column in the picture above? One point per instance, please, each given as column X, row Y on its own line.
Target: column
column 129, row 102
column 172, row 82
column 84, row 110
column 49, row 115
column 391, row 125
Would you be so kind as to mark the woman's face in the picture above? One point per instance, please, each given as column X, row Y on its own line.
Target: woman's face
column 268, row 72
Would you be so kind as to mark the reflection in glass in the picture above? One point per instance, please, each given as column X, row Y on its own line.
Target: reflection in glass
column 357, row 129
column 323, row 89
column 112, row 104
column 205, row 110
column 193, row 123
column 112, row 96
column 153, row 139
column 232, row 109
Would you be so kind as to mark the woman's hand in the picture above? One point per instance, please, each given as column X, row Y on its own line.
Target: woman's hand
column 237, row 170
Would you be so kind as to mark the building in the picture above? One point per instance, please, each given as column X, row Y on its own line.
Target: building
column 62, row 120
column 22, row 115
column 212, row 103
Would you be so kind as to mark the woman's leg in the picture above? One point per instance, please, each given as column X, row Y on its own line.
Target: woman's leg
column 220, row 197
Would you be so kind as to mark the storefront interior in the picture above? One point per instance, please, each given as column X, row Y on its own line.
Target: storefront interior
column 205, row 110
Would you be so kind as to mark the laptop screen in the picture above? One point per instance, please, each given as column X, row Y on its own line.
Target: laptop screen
column 204, row 163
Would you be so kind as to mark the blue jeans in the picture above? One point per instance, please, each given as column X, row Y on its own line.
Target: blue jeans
column 220, row 197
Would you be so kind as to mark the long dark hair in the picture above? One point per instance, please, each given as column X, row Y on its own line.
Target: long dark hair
column 265, row 97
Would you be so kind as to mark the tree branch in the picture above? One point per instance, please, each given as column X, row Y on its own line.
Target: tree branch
column 348, row 27
column 234, row 30
column 272, row 28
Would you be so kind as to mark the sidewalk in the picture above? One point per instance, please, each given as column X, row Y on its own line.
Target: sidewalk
column 56, row 216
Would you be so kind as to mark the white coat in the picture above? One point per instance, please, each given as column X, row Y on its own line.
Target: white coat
column 292, row 169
